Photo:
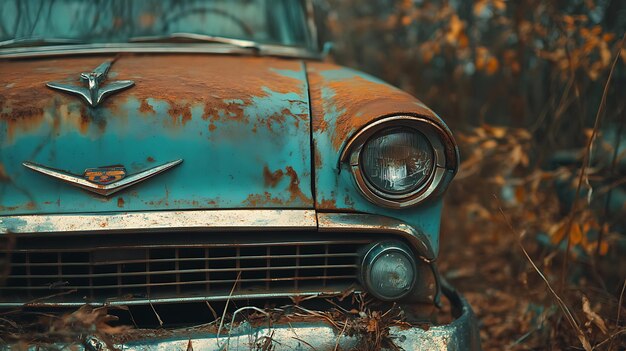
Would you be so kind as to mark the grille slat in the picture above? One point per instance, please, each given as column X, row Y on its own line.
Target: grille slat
column 69, row 264
column 197, row 282
column 164, row 265
column 181, row 271
column 64, row 248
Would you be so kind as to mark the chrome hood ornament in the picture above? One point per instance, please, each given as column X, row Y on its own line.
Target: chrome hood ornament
column 94, row 93
column 102, row 180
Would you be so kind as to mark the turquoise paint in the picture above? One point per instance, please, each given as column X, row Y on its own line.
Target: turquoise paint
column 335, row 182
column 222, row 168
column 223, row 164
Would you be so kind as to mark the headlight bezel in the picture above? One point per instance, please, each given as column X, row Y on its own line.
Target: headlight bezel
column 445, row 154
column 417, row 187
column 370, row 258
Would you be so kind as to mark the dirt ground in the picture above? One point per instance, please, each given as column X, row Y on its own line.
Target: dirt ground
column 515, row 308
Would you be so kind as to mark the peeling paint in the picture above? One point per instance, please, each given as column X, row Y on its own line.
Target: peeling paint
column 146, row 108
column 347, row 100
column 342, row 102
column 328, row 204
column 272, row 178
column 226, row 123
column 294, row 186
column 262, row 200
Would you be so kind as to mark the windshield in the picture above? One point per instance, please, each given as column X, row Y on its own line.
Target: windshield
column 48, row 22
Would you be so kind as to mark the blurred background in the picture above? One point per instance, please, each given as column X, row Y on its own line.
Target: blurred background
column 534, row 91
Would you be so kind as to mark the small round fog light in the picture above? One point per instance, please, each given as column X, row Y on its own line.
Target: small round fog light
column 388, row 270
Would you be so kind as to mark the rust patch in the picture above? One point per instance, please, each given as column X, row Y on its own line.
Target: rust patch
column 258, row 200
column 155, row 203
column 272, row 178
column 182, row 81
column 27, row 206
column 4, row 177
column 328, row 204
column 317, row 157
column 150, row 159
column 180, row 110
column 281, row 117
column 120, row 202
column 206, row 80
column 278, row 118
column 146, row 108
column 216, row 107
column 192, row 203
column 294, row 186
column 22, row 119
column 357, row 100
column 84, row 120
column 24, row 96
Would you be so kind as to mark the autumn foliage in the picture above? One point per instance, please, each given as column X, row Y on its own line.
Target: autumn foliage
column 534, row 226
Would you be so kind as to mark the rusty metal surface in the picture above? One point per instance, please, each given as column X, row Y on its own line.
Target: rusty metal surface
column 460, row 335
column 365, row 223
column 205, row 220
column 228, row 117
column 344, row 101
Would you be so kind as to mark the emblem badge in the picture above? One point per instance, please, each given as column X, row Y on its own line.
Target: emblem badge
column 105, row 175
column 102, row 180
column 94, row 93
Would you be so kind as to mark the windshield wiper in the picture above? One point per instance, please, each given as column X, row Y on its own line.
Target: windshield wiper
column 21, row 42
column 194, row 37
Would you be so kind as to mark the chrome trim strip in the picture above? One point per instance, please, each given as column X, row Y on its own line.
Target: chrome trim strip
column 216, row 220
column 442, row 173
column 100, row 189
column 144, row 301
column 156, row 48
column 359, row 222
column 248, row 44
column 211, row 220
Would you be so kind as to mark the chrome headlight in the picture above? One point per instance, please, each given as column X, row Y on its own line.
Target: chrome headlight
column 388, row 270
column 399, row 161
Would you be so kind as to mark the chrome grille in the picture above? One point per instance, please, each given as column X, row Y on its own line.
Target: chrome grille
column 161, row 265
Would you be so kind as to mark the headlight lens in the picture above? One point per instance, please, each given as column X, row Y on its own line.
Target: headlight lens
column 389, row 270
column 397, row 160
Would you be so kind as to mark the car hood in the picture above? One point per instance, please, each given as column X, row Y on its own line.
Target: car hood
column 241, row 125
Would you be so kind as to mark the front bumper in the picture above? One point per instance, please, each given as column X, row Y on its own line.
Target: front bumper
column 460, row 334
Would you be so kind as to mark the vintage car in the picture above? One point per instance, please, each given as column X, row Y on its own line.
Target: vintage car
column 166, row 153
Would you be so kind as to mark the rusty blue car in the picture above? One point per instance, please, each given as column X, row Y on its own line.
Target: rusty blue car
column 166, row 153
